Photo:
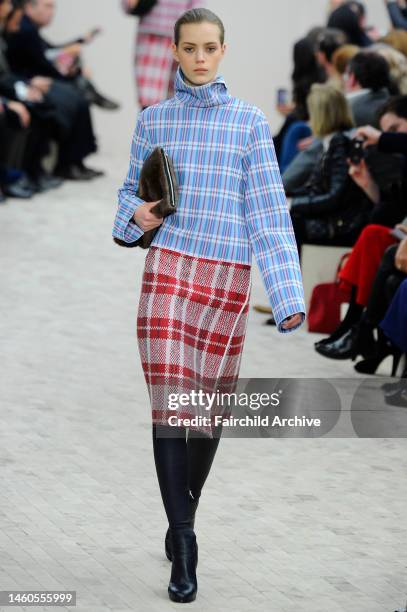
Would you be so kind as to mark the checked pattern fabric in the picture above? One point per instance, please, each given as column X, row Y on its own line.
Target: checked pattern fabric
column 191, row 326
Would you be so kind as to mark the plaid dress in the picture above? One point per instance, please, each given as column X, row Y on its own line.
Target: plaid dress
column 191, row 326
column 154, row 64
column 155, row 68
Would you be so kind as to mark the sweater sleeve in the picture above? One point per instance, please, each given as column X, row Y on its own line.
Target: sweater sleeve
column 128, row 200
column 269, row 226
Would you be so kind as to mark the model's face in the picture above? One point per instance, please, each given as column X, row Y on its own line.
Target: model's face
column 392, row 123
column 41, row 12
column 199, row 52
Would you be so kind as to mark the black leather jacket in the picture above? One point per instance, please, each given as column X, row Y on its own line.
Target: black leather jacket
column 330, row 187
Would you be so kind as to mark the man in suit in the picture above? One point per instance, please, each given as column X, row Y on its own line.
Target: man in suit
column 367, row 83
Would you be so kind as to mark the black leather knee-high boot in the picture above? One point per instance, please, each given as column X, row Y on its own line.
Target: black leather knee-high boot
column 170, row 454
column 201, row 451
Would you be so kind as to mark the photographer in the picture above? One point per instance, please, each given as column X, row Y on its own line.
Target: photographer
column 390, row 207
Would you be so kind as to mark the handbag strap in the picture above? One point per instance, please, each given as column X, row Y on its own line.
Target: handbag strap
column 341, row 264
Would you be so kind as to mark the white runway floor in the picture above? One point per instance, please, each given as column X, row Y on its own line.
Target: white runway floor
column 315, row 525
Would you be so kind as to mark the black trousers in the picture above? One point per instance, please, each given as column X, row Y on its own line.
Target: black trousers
column 182, row 465
column 13, row 140
column 72, row 122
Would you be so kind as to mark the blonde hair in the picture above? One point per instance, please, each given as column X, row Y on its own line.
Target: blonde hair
column 396, row 39
column 397, row 64
column 343, row 56
column 328, row 109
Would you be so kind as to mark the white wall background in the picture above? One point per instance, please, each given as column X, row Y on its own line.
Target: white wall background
column 259, row 35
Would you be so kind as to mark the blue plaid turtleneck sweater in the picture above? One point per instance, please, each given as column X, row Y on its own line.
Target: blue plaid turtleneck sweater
column 231, row 199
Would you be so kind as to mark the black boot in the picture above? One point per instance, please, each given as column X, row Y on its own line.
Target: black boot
column 358, row 340
column 193, row 505
column 352, row 317
column 183, row 583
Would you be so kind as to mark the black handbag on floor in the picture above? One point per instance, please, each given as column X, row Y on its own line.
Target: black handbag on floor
column 157, row 182
column 143, row 7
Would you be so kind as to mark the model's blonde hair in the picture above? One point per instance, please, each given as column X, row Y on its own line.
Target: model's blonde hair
column 397, row 63
column 328, row 109
column 343, row 56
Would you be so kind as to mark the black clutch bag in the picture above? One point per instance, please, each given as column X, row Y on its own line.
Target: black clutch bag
column 157, row 182
column 143, row 7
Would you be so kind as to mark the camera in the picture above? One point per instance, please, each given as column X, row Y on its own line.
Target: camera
column 356, row 151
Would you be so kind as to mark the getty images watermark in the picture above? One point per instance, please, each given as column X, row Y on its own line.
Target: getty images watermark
column 253, row 401
column 295, row 407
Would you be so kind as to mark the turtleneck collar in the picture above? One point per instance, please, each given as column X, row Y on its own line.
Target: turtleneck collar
column 213, row 93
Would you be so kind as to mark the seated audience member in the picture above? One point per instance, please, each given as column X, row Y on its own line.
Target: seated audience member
column 30, row 53
column 14, row 126
column 351, row 19
column 306, row 72
column 24, row 141
column 341, row 59
column 394, row 326
column 67, row 111
column 396, row 39
column 327, row 43
column 325, row 123
column 367, row 84
column 397, row 63
column 373, row 250
column 398, row 13
column 331, row 208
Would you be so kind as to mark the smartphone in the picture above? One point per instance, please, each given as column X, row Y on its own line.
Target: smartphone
column 282, row 96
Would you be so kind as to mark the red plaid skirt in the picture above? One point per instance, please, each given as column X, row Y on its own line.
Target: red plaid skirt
column 191, row 326
column 155, row 68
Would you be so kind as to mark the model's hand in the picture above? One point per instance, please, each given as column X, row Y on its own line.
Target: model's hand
column 369, row 134
column 292, row 321
column 145, row 219
column 401, row 256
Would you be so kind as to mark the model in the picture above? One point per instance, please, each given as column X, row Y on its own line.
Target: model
column 155, row 65
column 196, row 284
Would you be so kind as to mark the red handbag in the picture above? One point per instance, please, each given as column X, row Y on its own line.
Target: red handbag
column 324, row 314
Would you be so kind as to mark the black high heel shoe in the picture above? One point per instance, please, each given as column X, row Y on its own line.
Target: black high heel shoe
column 384, row 349
column 358, row 340
column 183, row 584
column 193, row 505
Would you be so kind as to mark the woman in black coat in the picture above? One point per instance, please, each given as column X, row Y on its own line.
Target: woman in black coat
column 330, row 208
